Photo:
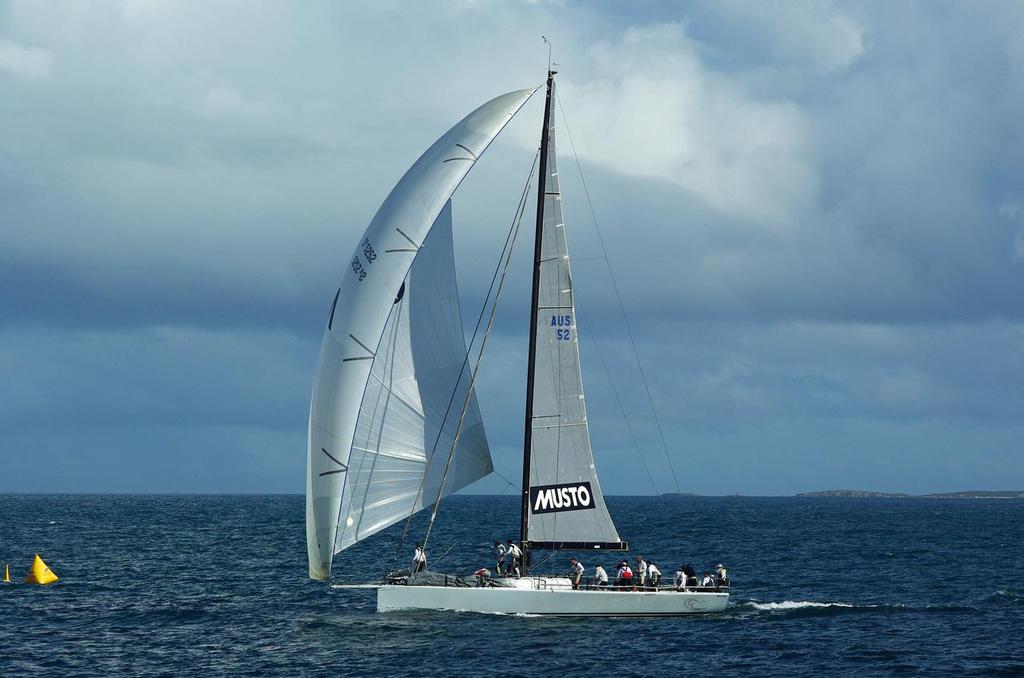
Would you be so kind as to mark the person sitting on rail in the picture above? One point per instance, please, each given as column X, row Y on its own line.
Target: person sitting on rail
column 600, row 576
column 641, row 569
column 624, row 576
column 575, row 572
column 653, row 575
column 708, row 580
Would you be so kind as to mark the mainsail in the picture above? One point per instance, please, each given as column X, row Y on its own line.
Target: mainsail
column 566, row 507
column 358, row 359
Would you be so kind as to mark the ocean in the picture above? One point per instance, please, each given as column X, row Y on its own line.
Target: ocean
column 216, row 585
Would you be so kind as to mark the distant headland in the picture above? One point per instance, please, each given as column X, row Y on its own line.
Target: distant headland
column 966, row 494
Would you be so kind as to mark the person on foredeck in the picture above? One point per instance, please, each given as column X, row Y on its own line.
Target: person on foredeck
column 419, row 559
column 517, row 558
column 680, row 580
column 653, row 575
column 576, row 570
column 600, row 576
column 499, row 565
column 641, row 569
column 624, row 576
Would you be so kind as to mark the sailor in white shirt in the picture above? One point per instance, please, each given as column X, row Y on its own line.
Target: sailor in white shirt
column 708, row 580
column 600, row 576
column 419, row 559
column 517, row 557
column 680, row 580
column 653, row 574
column 576, row 572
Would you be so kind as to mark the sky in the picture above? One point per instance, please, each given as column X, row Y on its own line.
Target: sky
column 814, row 213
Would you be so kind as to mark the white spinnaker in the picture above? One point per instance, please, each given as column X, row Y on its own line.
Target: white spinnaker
column 561, row 451
column 374, row 274
column 405, row 427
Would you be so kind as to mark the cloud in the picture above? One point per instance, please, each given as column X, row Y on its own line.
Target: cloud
column 811, row 34
column 812, row 210
column 647, row 105
column 24, row 62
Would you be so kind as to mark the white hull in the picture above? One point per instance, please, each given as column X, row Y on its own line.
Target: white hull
column 556, row 601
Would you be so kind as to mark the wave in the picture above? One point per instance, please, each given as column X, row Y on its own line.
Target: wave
column 796, row 605
column 1007, row 596
column 801, row 608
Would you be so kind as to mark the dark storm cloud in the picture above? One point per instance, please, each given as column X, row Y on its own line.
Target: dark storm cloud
column 814, row 213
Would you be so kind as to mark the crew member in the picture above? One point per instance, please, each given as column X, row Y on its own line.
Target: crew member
column 641, row 569
column 517, row 558
column 419, row 559
column 680, row 580
column 691, row 575
column 483, row 576
column 576, row 572
column 499, row 566
column 624, row 576
column 721, row 575
column 653, row 575
column 600, row 576
column 708, row 580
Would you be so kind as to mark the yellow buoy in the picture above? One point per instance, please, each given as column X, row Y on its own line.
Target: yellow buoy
column 7, row 574
column 40, row 573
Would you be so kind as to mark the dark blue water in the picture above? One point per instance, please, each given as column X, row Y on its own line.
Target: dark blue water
column 199, row 585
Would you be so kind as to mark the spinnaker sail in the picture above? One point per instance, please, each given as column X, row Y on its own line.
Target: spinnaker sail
column 406, row 426
column 355, row 334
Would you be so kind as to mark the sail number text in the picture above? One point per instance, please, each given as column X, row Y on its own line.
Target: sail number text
column 369, row 254
column 563, row 323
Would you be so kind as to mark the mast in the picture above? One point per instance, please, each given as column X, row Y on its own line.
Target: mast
column 532, row 360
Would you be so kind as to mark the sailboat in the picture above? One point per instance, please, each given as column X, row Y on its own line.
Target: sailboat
column 394, row 423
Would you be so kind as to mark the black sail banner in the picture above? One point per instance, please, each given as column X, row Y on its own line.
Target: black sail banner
column 554, row 498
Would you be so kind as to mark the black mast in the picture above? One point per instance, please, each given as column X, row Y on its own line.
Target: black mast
column 532, row 361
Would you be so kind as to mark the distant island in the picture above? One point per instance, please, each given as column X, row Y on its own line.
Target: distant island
column 966, row 494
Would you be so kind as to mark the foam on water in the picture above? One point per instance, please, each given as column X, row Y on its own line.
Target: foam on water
column 797, row 605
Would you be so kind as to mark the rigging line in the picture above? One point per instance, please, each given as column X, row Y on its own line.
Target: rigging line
column 618, row 297
column 508, row 483
column 479, row 359
column 517, row 217
column 618, row 402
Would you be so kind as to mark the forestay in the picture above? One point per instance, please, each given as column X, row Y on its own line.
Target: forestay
column 356, row 327
column 566, row 504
